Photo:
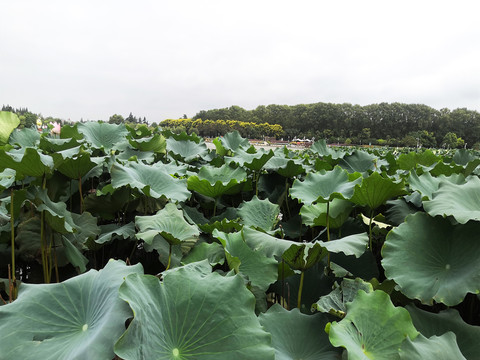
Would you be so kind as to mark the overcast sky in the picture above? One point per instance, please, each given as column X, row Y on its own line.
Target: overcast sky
column 162, row 59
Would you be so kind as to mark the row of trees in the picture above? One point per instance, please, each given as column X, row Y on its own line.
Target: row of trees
column 213, row 128
column 387, row 123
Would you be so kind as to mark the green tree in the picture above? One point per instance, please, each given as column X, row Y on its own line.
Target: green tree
column 116, row 119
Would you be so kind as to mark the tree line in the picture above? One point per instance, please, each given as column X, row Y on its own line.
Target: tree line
column 395, row 124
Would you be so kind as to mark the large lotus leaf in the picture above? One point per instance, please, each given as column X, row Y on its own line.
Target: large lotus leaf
column 446, row 169
column 435, row 348
column 75, row 166
column 398, row 210
column 307, row 342
column 285, row 167
column 373, row 327
column 463, row 157
column 167, row 253
column 251, row 160
column 212, row 181
column 266, row 244
column 156, row 143
column 80, row 318
column 111, row 231
column 57, row 215
column 103, row 135
column 316, row 214
column 260, row 270
column 375, row 190
column 460, row 201
column 349, row 245
column 26, row 162
column 259, row 213
column 183, row 136
column 231, row 141
column 413, row 159
column 25, row 137
column 323, row 187
column 53, row 145
column 8, row 122
column 335, row 303
column 304, row 256
column 359, row 161
column 153, row 181
column 7, row 178
column 214, row 253
column 320, row 147
column 191, row 315
column 129, row 154
column 431, row 259
column 86, row 228
column 74, row 255
column 169, row 223
column 430, row 324
column 186, row 149
column 426, row 184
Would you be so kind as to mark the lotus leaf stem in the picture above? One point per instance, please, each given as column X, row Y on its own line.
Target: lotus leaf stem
column 300, row 289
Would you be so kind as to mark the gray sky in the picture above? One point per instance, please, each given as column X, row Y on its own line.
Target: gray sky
column 160, row 59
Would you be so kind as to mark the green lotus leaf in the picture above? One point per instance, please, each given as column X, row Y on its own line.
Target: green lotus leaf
column 86, row 229
column 373, row 327
column 156, row 143
column 186, row 149
column 471, row 167
column 129, row 154
column 183, row 136
column 304, row 256
column 398, row 210
column 214, row 253
column 26, row 162
column 80, row 318
column 285, row 167
column 323, row 187
column 7, row 178
column 349, row 245
column 260, row 270
column 214, row 182
column 359, row 161
column 74, row 255
column 320, row 147
column 251, row 160
column 434, row 348
column 109, row 231
column 191, row 315
column 266, row 244
column 102, row 135
column 169, row 254
column 231, row 141
column 307, row 342
column 335, row 302
column 74, row 164
column 463, row 157
column 413, row 159
column 53, row 145
column 316, row 214
column 169, row 223
column 8, row 122
column 431, row 259
column 259, row 213
column 446, row 169
column 375, row 190
column 460, row 201
column 56, row 213
column 430, row 324
column 151, row 180
column 24, row 137
column 426, row 184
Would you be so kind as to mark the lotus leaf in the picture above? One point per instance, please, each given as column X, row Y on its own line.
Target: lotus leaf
column 426, row 184
column 316, row 214
column 323, row 187
column 349, row 245
column 102, row 135
column 335, row 302
column 460, row 201
column 253, row 161
column 230, row 142
column 57, row 215
column 435, row 348
column 214, row 253
column 186, row 149
column 430, row 324
column 109, row 231
column 7, row 178
column 191, row 315
column 214, row 182
column 156, row 143
column 169, row 223
column 375, row 190
column 359, row 161
column 25, row 137
column 284, row 166
column 260, row 214
column 304, row 256
column 8, row 122
column 373, row 327
column 431, row 259
column 80, row 318
column 151, row 180
column 307, row 342
column 320, row 147
column 413, row 159
column 26, row 162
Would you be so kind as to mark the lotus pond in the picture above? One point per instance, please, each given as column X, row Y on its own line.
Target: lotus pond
column 137, row 243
